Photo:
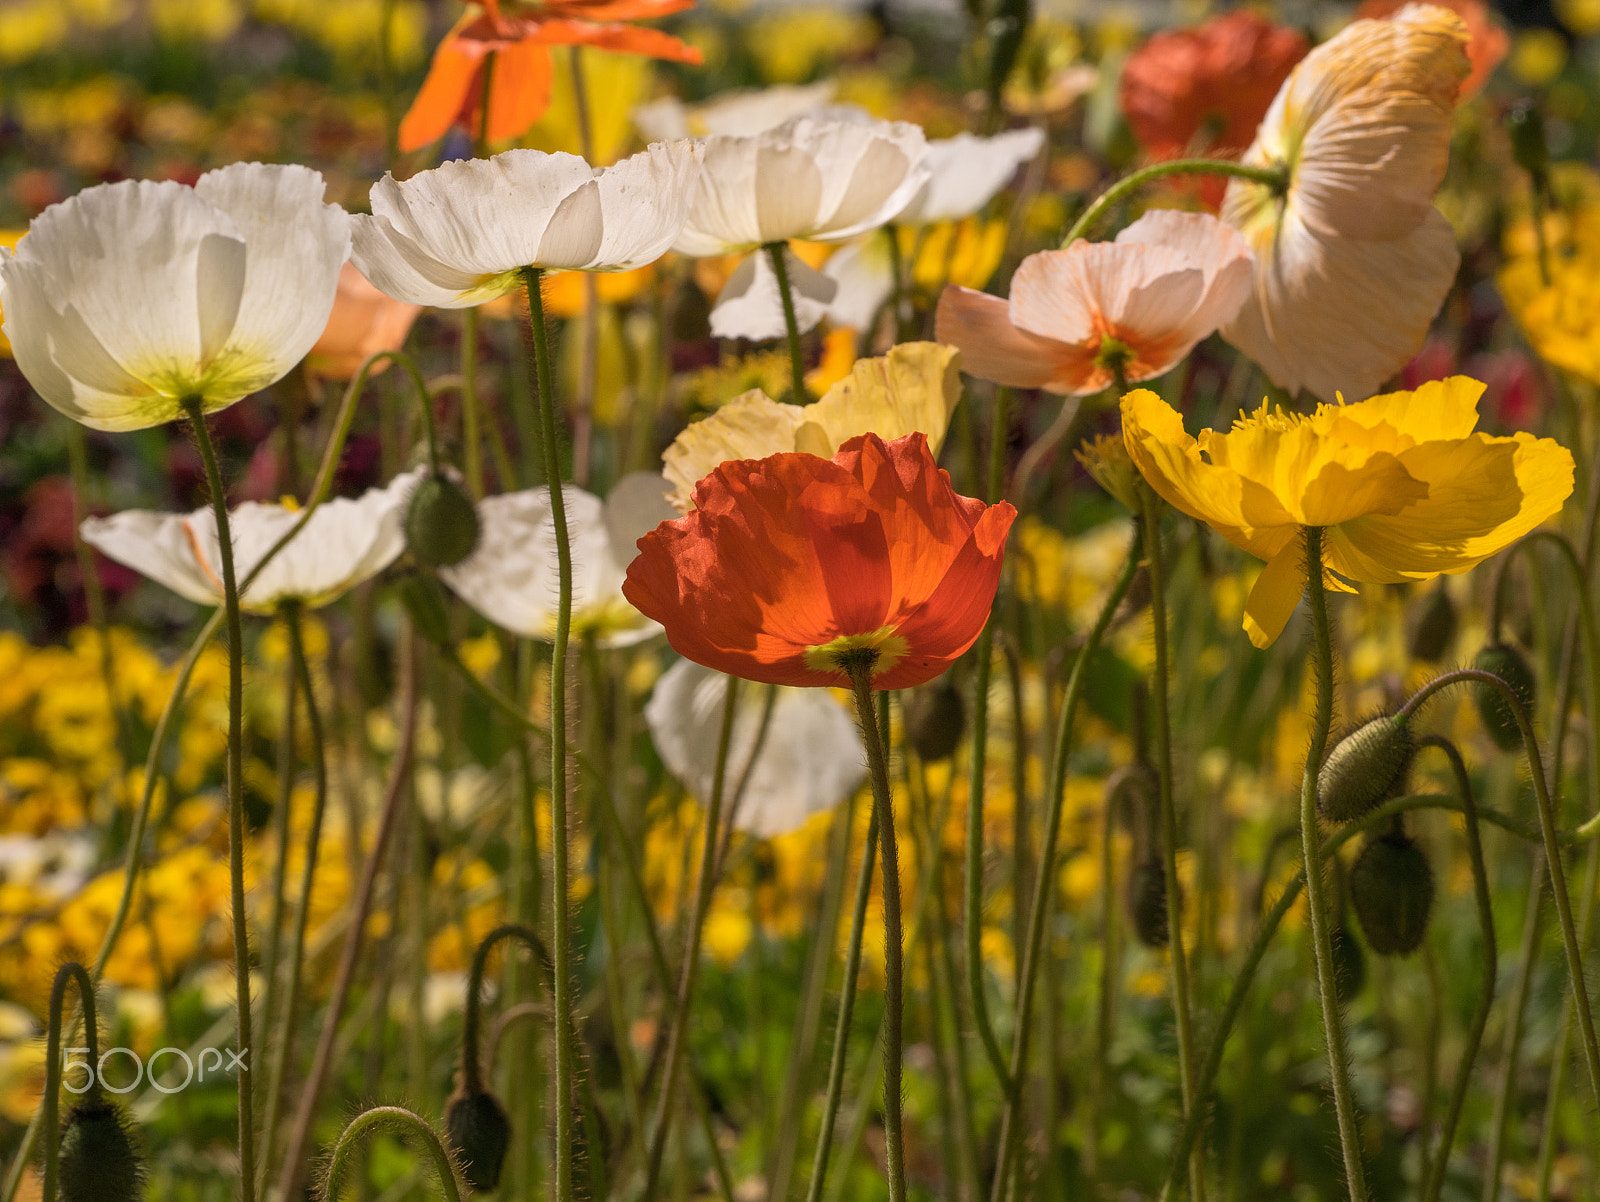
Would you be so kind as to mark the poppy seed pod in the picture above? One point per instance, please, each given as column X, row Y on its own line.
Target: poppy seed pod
column 477, row 1127
column 100, row 1159
column 936, row 718
column 1147, row 903
column 441, row 522
column 1498, row 716
column 1391, row 890
column 1365, row 767
column 1431, row 625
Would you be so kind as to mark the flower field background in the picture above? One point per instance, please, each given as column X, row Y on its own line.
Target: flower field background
column 1062, row 662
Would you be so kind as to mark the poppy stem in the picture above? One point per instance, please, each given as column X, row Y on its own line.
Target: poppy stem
column 1044, row 881
column 691, row 955
column 1316, row 886
column 1274, row 177
column 561, row 943
column 860, row 671
column 54, row 1069
column 797, row 367
column 241, row 930
column 302, row 915
column 472, row 1067
column 396, row 1118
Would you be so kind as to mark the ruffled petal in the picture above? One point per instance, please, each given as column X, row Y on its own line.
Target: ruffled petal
column 992, row 348
column 1275, row 594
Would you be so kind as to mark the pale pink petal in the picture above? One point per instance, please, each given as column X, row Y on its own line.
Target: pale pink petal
column 992, row 348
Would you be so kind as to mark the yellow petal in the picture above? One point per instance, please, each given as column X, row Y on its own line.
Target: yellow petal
column 751, row 426
column 1438, row 409
column 914, row 387
column 1275, row 594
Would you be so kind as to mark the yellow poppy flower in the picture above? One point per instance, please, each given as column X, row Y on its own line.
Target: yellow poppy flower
column 1561, row 319
column 1401, row 484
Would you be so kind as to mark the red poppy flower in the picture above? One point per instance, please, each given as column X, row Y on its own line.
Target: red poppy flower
column 1204, row 90
column 520, row 38
column 788, row 565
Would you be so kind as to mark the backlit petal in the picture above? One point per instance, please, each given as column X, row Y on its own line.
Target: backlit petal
column 992, row 348
column 1275, row 594
column 750, row 304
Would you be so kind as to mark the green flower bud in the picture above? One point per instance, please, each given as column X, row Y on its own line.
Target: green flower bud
column 441, row 522
column 1147, row 903
column 1499, row 718
column 1431, row 625
column 100, row 1158
column 1349, row 965
column 1364, row 768
column 1391, row 891
column 936, row 718
column 424, row 599
column 1525, row 124
column 477, row 1128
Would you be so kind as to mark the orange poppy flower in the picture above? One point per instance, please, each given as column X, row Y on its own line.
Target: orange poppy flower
column 519, row 37
column 790, row 566
column 1204, row 90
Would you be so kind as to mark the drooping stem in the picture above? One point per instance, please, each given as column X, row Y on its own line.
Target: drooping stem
column 797, row 368
column 1045, row 876
column 894, row 939
column 561, row 835
column 472, row 1067
column 1434, row 1180
column 1273, row 177
column 1316, row 887
column 847, row 1001
column 396, row 1118
column 70, row 973
column 691, row 955
column 241, row 930
column 302, row 914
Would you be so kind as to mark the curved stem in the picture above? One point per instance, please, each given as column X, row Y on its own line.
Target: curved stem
column 1274, row 177
column 1045, row 876
column 561, row 835
column 302, row 914
column 691, row 954
column 396, row 1118
column 472, row 1069
column 1434, row 1180
column 893, row 936
column 241, row 931
column 847, row 1001
column 67, row 974
column 1552, row 849
column 797, row 371
column 1316, row 887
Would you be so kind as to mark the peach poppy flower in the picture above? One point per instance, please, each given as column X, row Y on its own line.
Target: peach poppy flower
column 1075, row 316
column 790, row 566
column 1487, row 41
column 364, row 321
column 519, row 37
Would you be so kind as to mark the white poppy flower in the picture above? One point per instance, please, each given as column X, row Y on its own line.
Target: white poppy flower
column 1353, row 261
column 510, row 578
column 966, row 172
column 811, row 759
column 741, row 112
column 751, row 304
column 345, row 542
column 460, row 234
column 129, row 298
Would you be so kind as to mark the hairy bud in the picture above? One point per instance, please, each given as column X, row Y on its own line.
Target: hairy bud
column 441, row 522
column 1147, row 903
column 936, row 718
column 477, row 1127
column 1499, row 718
column 100, row 1158
column 1391, row 891
column 1365, row 767
column 1431, row 625
column 1349, row 964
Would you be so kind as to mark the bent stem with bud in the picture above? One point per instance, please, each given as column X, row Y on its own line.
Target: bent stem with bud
column 399, row 1119
column 67, row 974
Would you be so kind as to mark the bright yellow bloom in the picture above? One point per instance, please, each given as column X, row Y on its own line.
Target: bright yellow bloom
column 1402, row 486
column 1561, row 320
column 9, row 240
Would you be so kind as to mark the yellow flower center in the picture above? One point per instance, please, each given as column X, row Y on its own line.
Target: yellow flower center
column 881, row 649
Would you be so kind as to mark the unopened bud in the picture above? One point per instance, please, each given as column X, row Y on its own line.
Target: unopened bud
column 1432, row 624
column 477, row 1127
column 1391, row 891
column 100, row 1158
column 1365, row 767
column 441, row 522
column 1498, row 715
column 424, row 599
column 1349, row 964
column 936, row 718
column 1147, row 903
column 1525, row 124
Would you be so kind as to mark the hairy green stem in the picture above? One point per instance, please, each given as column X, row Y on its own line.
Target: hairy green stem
column 69, row 973
column 797, row 369
column 396, row 1118
column 1274, row 177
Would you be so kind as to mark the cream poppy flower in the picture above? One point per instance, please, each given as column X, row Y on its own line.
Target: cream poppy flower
column 345, row 542
column 965, row 173
column 823, row 178
column 460, row 234
column 913, row 388
column 741, row 112
column 1352, row 260
column 1140, row 303
column 510, row 578
column 811, row 759
column 128, row 298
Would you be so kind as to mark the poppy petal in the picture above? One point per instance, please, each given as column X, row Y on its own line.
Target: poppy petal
column 447, row 95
